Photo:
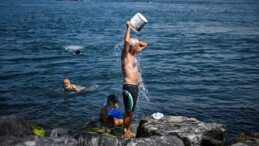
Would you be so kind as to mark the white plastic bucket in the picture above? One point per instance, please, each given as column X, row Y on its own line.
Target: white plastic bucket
column 138, row 22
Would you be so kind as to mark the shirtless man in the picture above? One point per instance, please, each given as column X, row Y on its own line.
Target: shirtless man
column 110, row 115
column 132, row 78
column 70, row 87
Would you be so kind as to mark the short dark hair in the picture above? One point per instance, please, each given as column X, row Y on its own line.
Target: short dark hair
column 77, row 51
column 112, row 98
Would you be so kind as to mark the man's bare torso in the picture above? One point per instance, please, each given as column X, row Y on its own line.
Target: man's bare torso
column 130, row 69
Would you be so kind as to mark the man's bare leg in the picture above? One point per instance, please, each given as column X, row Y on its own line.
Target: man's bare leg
column 127, row 121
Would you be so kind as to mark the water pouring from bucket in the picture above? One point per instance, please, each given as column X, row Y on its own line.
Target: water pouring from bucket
column 138, row 22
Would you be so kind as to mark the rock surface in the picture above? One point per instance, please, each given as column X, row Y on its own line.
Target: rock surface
column 190, row 130
column 247, row 139
column 170, row 130
column 14, row 126
column 36, row 141
column 95, row 126
column 88, row 139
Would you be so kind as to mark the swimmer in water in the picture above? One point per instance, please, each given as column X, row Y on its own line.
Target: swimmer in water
column 70, row 87
column 78, row 53
column 110, row 115
column 132, row 77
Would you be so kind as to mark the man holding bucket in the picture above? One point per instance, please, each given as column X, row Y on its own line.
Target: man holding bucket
column 132, row 77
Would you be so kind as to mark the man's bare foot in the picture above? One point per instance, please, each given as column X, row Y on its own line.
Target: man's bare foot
column 132, row 135
column 125, row 134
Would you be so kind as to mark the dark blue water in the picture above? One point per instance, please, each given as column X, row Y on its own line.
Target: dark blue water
column 202, row 60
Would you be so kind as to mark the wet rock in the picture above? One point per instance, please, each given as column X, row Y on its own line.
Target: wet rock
column 190, row 130
column 154, row 141
column 36, row 141
column 247, row 139
column 89, row 139
column 95, row 126
column 14, row 126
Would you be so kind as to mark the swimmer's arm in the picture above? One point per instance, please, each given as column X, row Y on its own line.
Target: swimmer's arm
column 142, row 46
column 76, row 88
column 126, row 39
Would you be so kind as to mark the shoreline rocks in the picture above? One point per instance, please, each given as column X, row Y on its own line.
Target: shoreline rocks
column 170, row 130
column 34, row 140
column 190, row 130
column 247, row 139
column 89, row 139
column 95, row 126
column 14, row 126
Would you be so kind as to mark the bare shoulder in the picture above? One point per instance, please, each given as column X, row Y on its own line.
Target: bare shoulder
column 73, row 85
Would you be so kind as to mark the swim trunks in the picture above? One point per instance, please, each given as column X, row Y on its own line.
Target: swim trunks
column 130, row 96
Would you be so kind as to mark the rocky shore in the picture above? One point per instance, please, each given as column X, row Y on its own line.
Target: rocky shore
column 168, row 131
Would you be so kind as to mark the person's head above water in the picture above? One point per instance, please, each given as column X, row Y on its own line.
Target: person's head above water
column 112, row 99
column 66, row 83
column 77, row 52
column 133, row 45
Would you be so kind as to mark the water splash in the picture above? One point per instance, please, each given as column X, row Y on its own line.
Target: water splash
column 117, row 70
column 118, row 48
column 72, row 47
column 143, row 92
column 143, row 96
column 80, row 87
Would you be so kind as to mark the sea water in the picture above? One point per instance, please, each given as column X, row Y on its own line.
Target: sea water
column 201, row 60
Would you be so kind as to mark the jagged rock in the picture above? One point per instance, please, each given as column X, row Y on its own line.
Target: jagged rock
column 14, row 126
column 247, row 139
column 190, row 130
column 36, row 141
column 89, row 139
column 95, row 126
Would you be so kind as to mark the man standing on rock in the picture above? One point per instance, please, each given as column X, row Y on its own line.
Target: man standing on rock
column 132, row 77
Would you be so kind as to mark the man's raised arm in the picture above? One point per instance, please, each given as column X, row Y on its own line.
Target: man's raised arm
column 126, row 39
column 142, row 45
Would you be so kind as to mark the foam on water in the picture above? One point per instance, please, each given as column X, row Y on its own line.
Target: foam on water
column 73, row 47
column 91, row 87
column 80, row 87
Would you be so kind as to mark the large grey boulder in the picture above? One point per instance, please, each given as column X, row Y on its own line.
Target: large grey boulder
column 247, row 139
column 89, row 139
column 13, row 125
column 36, row 141
column 190, row 130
